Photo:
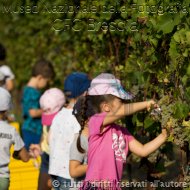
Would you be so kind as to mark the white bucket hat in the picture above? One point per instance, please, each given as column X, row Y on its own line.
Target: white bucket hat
column 106, row 83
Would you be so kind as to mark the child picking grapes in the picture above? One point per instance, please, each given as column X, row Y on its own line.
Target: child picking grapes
column 109, row 143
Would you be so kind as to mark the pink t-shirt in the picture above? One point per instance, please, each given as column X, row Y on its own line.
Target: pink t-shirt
column 107, row 150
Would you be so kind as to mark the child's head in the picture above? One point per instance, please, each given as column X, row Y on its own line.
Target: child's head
column 51, row 102
column 44, row 72
column 106, row 93
column 5, row 103
column 76, row 84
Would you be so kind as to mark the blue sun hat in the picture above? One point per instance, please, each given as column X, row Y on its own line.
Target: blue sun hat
column 76, row 84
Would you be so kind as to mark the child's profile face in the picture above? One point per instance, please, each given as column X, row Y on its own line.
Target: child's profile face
column 42, row 82
column 115, row 105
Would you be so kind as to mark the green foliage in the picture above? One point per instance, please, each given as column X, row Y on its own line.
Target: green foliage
column 145, row 43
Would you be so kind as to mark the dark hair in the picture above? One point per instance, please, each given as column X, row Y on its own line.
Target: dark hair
column 2, row 82
column 3, row 115
column 44, row 68
column 2, row 53
column 86, row 107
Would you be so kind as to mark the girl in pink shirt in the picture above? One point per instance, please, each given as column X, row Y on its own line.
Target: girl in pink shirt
column 109, row 143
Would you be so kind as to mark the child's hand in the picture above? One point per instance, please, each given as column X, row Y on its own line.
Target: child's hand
column 164, row 133
column 167, row 130
column 35, row 150
column 150, row 104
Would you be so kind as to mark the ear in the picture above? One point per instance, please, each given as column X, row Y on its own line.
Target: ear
column 39, row 77
column 105, row 107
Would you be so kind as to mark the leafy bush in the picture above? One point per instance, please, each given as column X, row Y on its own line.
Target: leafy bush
column 146, row 43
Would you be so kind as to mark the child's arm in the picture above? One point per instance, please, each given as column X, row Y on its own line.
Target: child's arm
column 77, row 169
column 35, row 150
column 35, row 113
column 126, row 109
column 144, row 150
column 22, row 155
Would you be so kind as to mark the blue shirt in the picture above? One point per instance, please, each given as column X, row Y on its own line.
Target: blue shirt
column 30, row 100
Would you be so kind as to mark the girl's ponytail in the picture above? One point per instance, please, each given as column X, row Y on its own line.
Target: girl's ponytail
column 79, row 111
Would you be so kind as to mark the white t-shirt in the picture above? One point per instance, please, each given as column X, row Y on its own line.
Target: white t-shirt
column 8, row 137
column 62, row 133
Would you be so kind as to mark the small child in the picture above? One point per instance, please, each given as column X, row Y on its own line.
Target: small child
column 6, row 70
column 109, row 143
column 63, row 130
column 78, row 155
column 51, row 102
column 32, row 128
column 8, row 137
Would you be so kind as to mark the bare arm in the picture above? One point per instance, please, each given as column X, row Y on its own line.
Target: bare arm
column 77, row 169
column 35, row 113
column 22, row 155
column 144, row 150
column 35, row 150
column 126, row 109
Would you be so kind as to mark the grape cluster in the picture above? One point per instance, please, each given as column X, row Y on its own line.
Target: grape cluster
column 165, row 117
column 156, row 154
column 176, row 128
column 153, row 156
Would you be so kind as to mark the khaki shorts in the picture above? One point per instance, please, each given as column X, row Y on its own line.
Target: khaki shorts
column 4, row 183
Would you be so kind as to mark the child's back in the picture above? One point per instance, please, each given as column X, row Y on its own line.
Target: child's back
column 64, row 128
column 8, row 137
column 51, row 102
column 62, row 132
column 30, row 100
column 32, row 128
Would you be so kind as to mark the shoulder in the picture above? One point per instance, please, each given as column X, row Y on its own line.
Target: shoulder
column 7, row 127
column 63, row 114
column 98, row 116
column 66, row 113
column 30, row 91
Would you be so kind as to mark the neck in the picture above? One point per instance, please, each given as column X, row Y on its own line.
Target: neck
column 85, row 131
column 3, row 116
column 71, row 103
column 33, row 82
